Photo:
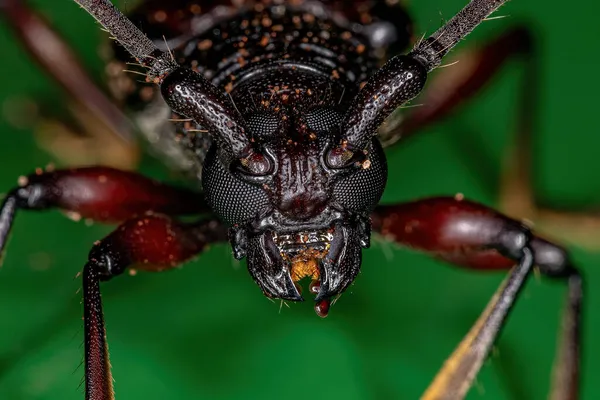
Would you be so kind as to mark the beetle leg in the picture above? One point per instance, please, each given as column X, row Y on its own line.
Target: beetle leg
column 474, row 236
column 458, row 372
column 151, row 242
column 452, row 87
column 577, row 227
column 99, row 193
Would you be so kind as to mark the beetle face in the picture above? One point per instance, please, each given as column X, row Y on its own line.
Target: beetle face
column 297, row 207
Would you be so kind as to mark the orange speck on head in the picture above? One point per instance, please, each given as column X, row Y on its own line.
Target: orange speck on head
column 23, row 180
column 205, row 45
column 160, row 16
column 309, row 18
column 265, row 40
column 267, row 22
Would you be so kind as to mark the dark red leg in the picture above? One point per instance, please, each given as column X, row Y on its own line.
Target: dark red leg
column 451, row 87
column 148, row 241
column 99, row 193
column 474, row 236
column 152, row 242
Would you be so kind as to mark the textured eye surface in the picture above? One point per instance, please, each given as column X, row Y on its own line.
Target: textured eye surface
column 233, row 200
column 263, row 125
column 323, row 119
column 362, row 190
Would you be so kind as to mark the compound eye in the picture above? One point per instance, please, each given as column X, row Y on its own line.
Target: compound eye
column 323, row 119
column 254, row 165
column 341, row 157
column 263, row 125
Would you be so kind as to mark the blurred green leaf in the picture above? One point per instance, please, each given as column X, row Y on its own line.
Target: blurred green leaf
column 206, row 332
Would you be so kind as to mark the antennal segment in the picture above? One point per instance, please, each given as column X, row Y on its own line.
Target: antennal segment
column 186, row 92
column 129, row 36
column 403, row 77
column 431, row 50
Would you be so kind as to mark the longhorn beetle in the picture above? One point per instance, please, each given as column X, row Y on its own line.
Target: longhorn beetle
column 294, row 171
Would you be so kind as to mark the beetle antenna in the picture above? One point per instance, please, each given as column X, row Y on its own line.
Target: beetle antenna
column 431, row 51
column 188, row 93
column 402, row 78
column 129, row 36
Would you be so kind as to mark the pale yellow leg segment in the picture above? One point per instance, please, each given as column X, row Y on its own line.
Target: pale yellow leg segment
column 517, row 200
column 458, row 372
column 565, row 380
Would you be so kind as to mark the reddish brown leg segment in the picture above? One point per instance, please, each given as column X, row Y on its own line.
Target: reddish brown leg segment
column 474, row 236
column 450, row 88
column 100, row 193
column 151, row 242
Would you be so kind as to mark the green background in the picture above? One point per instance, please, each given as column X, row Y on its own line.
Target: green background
column 206, row 332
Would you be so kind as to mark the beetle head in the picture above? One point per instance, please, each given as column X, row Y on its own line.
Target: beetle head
column 298, row 204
